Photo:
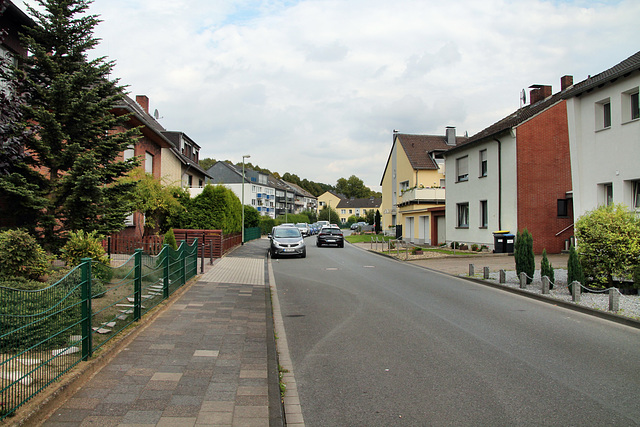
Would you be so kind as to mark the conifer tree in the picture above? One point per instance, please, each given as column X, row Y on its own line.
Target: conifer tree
column 546, row 269
column 574, row 268
column 524, row 257
column 72, row 159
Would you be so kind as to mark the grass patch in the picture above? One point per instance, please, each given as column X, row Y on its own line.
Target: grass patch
column 366, row 238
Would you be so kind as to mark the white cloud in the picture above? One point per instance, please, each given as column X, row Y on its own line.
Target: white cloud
column 315, row 87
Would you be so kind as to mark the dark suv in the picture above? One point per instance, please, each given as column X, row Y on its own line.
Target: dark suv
column 330, row 236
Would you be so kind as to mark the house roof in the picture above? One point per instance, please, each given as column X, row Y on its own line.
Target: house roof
column 621, row 69
column 514, row 119
column 366, row 203
column 418, row 149
column 145, row 119
column 523, row 114
column 190, row 163
column 300, row 190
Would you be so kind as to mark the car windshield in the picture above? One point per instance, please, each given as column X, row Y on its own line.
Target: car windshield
column 301, row 224
column 331, row 231
column 286, row 232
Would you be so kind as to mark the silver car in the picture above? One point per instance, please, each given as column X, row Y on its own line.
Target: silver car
column 287, row 241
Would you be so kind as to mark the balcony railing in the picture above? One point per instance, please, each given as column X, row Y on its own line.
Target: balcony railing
column 436, row 195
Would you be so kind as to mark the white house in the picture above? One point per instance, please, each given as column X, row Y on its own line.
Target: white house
column 604, row 135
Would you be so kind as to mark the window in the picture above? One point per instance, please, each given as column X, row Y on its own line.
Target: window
column 404, row 185
column 463, row 215
column 605, row 194
column 128, row 221
column 484, row 214
column 190, row 181
column 603, row 114
column 635, row 195
column 630, row 105
column 563, row 208
column 128, row 153
column 462, row 169
column 343, row 211
column 483, row 163
column 148, row 162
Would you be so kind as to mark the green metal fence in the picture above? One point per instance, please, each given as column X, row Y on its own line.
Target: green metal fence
column 252, row 233
column 45, row 332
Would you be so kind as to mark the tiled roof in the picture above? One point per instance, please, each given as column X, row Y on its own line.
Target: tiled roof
column 629, row 65
column 366, row 203
column 418, row 147
column 300, row 190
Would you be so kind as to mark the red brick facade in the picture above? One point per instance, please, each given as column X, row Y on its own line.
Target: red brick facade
column 544, row 177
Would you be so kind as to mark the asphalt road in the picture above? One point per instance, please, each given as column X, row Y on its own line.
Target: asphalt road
column 378, row 342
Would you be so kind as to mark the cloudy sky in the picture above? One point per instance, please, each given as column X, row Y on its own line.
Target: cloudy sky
column 316, row 87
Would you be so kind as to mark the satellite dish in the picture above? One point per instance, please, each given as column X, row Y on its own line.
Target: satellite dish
column 156, row 115
column 523, row 97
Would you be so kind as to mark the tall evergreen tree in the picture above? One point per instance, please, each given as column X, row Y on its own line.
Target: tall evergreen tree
column 75, row 150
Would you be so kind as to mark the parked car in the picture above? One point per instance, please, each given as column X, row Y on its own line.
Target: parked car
column 304, row 229
column 287, row 241
column 330, row 236
column 357, row 225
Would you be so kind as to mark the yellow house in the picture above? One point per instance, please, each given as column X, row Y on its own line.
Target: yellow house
column 357, row 207
column 329, row 198
column 413, row 193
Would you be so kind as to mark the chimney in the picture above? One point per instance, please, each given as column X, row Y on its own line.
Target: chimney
column 565, row 82
column 451, row 135
column 538, row 93
column 143, row 101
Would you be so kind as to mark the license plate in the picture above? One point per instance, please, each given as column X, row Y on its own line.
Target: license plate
column 331, row 240
column 289, row 250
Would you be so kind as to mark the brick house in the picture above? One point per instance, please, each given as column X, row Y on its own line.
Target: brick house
column 513, row 175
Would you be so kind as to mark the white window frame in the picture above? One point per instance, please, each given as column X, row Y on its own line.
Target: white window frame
column 148, row 162
column 462, row 169
column 630, row 105
column 603, row 114
column 462, row 215
column 484, row 169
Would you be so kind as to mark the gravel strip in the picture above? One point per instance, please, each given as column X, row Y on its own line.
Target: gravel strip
column 629, row 304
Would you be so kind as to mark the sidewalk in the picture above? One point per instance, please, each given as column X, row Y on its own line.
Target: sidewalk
column 207, row 359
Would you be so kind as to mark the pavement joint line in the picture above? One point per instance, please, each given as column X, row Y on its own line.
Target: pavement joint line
column 291, row 398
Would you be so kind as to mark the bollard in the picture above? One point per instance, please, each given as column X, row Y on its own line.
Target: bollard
column 503, row 276
column 545, row 285
column 486, row 273
column 575, row 291
column 614, row 299
column 523, row 280
column 472, row 270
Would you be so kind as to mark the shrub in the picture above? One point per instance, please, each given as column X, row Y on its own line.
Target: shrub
column 21, row 255
column 546, row 269
column 455, row 245
column 574, row 268
column 416, row 249
column 636, row 277
column 474, row 247
column 83, row 245
column 524, row 257
column 266, row 224
column 608, row 243
column 52, row 313
column 170, row 239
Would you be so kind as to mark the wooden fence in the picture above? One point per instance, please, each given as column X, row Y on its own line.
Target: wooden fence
column 215, row 243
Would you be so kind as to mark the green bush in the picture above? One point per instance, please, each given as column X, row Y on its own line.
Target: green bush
column 523, row 254
column 44, row 318
column 636, row 277
column 546, row 269
column 266, row 224
column 416, row 249
column 574, row 268
column 83, row 245
column 22, row 256
column 608, row 243
column 251, row 217
column 170, row 239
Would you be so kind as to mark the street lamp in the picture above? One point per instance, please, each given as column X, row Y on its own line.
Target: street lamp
column 242, row 226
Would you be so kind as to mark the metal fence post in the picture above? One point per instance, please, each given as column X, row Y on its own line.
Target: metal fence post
column 165, row 279
column 87, row 347
column 183, row 262
column 137, row 286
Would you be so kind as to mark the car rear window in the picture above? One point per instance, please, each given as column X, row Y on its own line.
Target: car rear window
column 331, row 231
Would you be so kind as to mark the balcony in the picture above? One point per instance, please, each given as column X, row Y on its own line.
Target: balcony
column 422, row 195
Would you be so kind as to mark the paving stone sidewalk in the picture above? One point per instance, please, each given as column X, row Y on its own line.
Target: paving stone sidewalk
column 206, row 360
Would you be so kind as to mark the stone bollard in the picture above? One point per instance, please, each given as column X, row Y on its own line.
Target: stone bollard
column 523, row 280
column 575, row 291
column 486, row 273
column 614, row 299
column 472, row 270
column 545, row 285
column 503, row 276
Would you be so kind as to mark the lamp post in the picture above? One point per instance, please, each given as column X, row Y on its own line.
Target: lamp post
column 242, row 225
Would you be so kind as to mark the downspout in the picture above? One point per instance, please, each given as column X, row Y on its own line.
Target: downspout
column 499, row 183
